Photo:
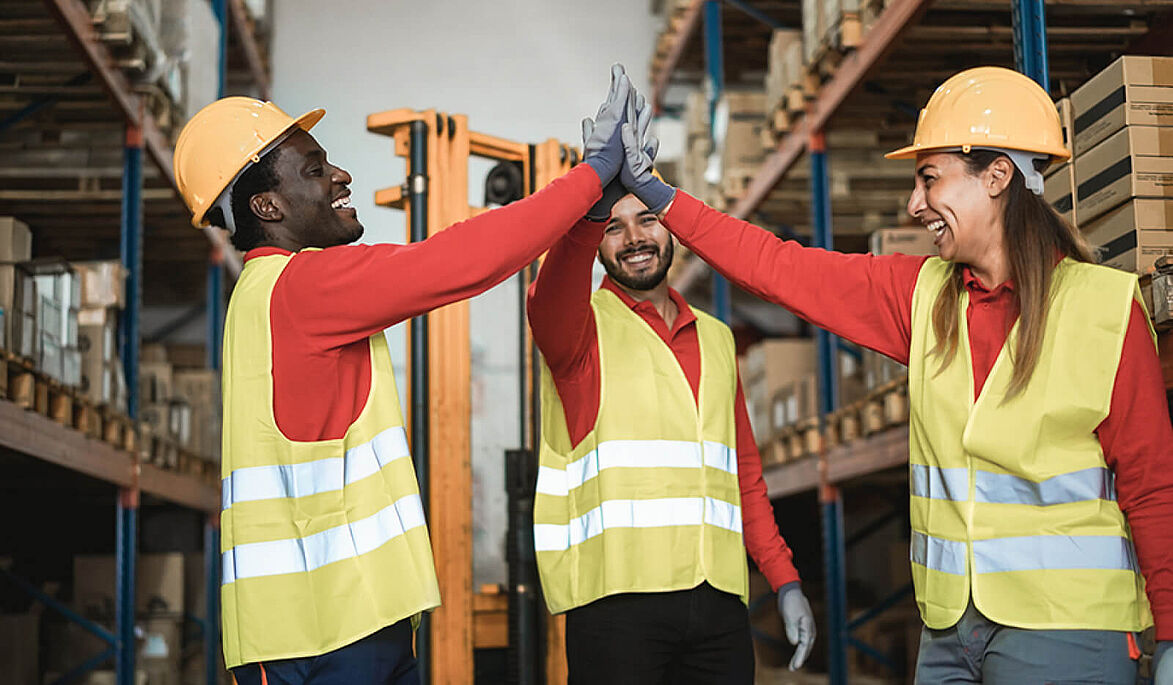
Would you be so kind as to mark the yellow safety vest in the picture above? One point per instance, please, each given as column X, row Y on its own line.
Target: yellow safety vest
column 1013, row 501
column 323, row 543
column 649, row 500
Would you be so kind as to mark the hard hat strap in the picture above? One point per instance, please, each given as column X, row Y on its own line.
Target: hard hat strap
column 1025, row 161
column 224, row 201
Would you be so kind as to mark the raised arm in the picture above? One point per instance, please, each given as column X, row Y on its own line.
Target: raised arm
column 864, row 298
column 355, row 291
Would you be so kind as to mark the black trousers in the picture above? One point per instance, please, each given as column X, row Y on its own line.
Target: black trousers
column 382, row 658
column 698, row 636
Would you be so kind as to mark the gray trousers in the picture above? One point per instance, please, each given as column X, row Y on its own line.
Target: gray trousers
column 977, row 650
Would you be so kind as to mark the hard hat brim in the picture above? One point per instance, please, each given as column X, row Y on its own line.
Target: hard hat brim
column 305, row 122
column 1058, row 155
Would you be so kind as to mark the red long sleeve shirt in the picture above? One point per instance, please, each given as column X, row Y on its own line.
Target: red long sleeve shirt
column 327, row 303
column 564, row 329
column 868, row 299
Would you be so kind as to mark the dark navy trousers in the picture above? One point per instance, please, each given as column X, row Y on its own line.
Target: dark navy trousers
column 382, row 658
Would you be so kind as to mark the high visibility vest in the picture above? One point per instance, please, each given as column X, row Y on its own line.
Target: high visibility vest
column 1012, row 502
column 322, row 542
column 649, row 500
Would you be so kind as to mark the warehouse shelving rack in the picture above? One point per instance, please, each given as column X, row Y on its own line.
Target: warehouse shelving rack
column 105, row 211
column 854, row 87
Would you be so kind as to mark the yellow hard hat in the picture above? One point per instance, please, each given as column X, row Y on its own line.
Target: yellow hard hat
column 988, row 107
column 222, row 140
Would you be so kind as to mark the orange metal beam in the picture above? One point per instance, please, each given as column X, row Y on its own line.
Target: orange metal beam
column 242, row 27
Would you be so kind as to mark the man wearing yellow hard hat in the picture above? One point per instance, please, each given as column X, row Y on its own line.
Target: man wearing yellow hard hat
column 325, row 551
column 1041, row 452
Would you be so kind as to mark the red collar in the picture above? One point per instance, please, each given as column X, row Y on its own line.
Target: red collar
column 264, row 252
column 684, row 314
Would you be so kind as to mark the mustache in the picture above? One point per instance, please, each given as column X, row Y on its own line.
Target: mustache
column 645, row 247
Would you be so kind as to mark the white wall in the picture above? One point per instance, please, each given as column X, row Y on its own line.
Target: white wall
column 527, row 70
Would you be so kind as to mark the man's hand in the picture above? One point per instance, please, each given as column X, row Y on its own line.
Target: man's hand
column 1163, row 664
column 615, row 190
column 800, row 623
column 601, row 145
column 639, row 153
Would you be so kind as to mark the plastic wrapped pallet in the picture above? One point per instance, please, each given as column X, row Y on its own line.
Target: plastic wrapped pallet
column 16, row 244
column 783, row 67
column 103, row 284
column 190, row 36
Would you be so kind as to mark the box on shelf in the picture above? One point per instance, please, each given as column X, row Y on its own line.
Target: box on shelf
column 1067, row 122
column 909, row 241
column 814, row 26
column 878, row 369
column 1161, row 306
column 179, row 421
column 154, row 381
column 19, row 648
column 1133, row 236
column 783, row 68
column 99, row 348
column 739, row 129
column 852, row 380
column 158, row 585
column 16, row 245
column 1133, row 90
column 103, row 284
column 26, row 301
column 1136, row 161
column 696, row 115
column 201, row 389
column 767, row 367
column 1059, row 190
column 794, row 402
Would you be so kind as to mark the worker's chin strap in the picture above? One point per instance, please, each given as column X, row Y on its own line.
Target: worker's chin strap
column 224, row 202
column 1025, row 161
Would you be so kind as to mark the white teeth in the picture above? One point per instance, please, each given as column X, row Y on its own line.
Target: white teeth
column 638, row 259
column 340, row 203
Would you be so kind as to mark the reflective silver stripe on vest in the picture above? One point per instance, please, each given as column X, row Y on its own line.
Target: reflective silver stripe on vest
column 638, row 513
column 938, row 554
column 1053, row 552
column 1077, row 486
column 671, row 454
column 937, row 483
column 298, row 555
column 313, row 477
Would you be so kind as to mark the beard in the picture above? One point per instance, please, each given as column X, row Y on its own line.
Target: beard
column 643, row 281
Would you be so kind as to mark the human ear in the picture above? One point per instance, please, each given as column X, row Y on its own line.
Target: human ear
column 266, row 207
column 998, row 176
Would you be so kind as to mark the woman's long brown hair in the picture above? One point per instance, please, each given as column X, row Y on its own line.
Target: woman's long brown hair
column 1034, row 236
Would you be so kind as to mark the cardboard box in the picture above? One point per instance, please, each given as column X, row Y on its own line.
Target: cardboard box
column 1162, row 305
column 768, row 366
column 696, row 115
column 154, row 381
column 103, row 284
column 1131, row 91
column 1067, row 123
column 19, row 648
column 879, row 369
column 795, row 402
column 783, row 66
column 739, row 129
column 1132, row 237
column 814, row 26
column 909, row 241
column 158, row 585
column 16, row 244
column 1059, row 191
column 1136, row 161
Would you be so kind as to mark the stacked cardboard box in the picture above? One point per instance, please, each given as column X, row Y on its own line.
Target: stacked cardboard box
column 103, row 295
column 1059, row 185
column 1123, row 140
column 742, row 137
column 16, row 245
column 909, row 241
column 768, row 367
column 784, row 74
column 200, row 389
column 159, row 606
column 58, row 298
column 180, row 405
column 697, row 144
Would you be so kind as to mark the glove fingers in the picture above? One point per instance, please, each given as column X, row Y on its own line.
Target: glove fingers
column 800, row 655
column 652, row 147
column 644, row 122
column 588, row 127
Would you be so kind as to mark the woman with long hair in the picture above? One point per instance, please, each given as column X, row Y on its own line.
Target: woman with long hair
column 1041, row 452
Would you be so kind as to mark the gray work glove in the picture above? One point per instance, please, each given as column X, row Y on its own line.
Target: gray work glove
column 615, row 190
column 1163, row 664
column 799, row 621
column 602, row 148
column 636, row 174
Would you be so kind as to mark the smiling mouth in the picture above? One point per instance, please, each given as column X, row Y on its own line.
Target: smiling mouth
column 638, row 258
column 938, row 229
column 341, row 203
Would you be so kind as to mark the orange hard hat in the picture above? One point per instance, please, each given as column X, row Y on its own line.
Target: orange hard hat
column 988, row 107
column 222, row 140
